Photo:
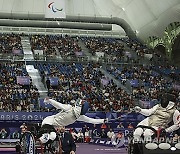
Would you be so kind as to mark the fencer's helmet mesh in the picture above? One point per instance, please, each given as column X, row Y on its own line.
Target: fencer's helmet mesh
column 166, row 97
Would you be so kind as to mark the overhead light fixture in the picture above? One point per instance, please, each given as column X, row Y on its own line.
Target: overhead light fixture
column 137, row 31
column 123, row 8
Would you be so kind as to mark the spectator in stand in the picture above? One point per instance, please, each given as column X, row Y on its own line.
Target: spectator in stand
column 3, row 133
column 104, row 126
column 48, row 83
column 103, row 134
column 23, row 126
column 120, row 125
column 85, row 127
column 119, row 135
column 87, row 136
column 80, row 136
column 16, row 135
column 95, row 132
column 176, row 138
column 130, row 126
column 110, row 134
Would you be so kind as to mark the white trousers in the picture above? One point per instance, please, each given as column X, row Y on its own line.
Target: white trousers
column 48, row 120
column 147, row 133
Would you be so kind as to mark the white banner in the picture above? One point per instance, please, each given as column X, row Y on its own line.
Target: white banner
column 55, row 9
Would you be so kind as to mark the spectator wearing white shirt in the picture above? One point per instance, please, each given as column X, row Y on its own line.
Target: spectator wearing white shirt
column 110, row 134
column 87, row 136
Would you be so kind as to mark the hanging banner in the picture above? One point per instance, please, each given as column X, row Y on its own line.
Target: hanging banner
column 39, row 116
column 55, row 9
column 23, row 80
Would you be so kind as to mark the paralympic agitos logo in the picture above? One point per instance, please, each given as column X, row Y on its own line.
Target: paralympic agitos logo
column 53, row 8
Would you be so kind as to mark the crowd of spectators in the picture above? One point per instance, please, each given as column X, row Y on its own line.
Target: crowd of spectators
column 137, row 46
column 149, row 83
column 78, row 80
column 158, row 60
column 112, row 49
column 10, row 43
column 55, row 45
column 13, row 95
column 169, row 70
column 86, row 82
column 86, row 133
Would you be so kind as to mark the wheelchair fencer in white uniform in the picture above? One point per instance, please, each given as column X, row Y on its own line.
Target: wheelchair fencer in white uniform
column 68, row 115
column 158, row 116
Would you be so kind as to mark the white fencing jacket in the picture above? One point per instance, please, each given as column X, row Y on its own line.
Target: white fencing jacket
column 68, row 115
column 160, row 117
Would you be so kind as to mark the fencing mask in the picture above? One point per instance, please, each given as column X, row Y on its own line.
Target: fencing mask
column 165, row 98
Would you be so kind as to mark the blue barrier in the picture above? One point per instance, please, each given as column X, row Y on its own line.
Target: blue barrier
column 39, row 116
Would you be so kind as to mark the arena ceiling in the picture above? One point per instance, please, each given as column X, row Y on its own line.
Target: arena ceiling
column 146, row 17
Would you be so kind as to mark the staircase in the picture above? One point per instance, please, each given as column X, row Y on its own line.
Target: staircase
column 142, row 60
column 58, row 54
column 33, row 73
column 84, row 49
column 103, row 70
column 28, row 54
column 117, row 82
column 36, row 80
column 133, row 53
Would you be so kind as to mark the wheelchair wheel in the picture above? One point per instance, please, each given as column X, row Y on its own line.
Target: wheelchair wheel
column 27, row 143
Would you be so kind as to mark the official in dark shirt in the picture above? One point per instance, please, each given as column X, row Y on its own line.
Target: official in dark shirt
column 67, row 141
column 103, row 134
column 48, row 83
